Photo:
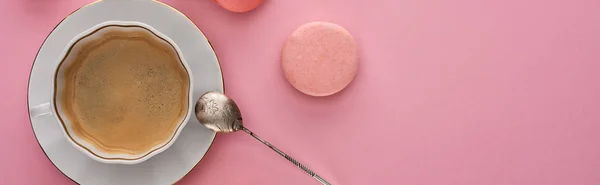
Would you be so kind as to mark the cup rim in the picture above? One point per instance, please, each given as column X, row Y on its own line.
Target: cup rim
column 98, row 156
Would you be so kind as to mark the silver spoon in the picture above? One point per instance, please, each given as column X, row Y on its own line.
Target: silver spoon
column 220, row 114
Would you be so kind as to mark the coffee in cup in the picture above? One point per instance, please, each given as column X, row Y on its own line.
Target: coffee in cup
column 122, row 92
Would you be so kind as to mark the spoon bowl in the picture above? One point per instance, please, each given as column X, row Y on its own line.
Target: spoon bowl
column 218, row 113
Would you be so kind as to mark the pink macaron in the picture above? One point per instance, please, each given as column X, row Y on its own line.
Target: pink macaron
column 320, row 58
column 239, row 5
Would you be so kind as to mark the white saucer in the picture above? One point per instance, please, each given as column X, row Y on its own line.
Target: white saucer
column 165, row 168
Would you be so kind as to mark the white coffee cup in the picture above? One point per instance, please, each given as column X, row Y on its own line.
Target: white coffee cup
column 55, row 109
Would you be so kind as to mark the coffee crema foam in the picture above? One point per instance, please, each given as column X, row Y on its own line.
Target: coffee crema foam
column 125, row 91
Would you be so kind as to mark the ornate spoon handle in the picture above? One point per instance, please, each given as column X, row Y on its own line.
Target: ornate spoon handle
column 301, row 166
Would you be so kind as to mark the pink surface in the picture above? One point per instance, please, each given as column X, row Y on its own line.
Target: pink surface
column 464, row 92
column 319, row 58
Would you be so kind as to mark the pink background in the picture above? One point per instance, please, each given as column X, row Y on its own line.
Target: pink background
column 464, row 92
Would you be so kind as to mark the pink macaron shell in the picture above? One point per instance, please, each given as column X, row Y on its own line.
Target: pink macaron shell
column 320, row 58
column 239, row 5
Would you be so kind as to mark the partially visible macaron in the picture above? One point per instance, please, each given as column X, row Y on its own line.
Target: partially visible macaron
column 239, row 5
column 320, row 58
